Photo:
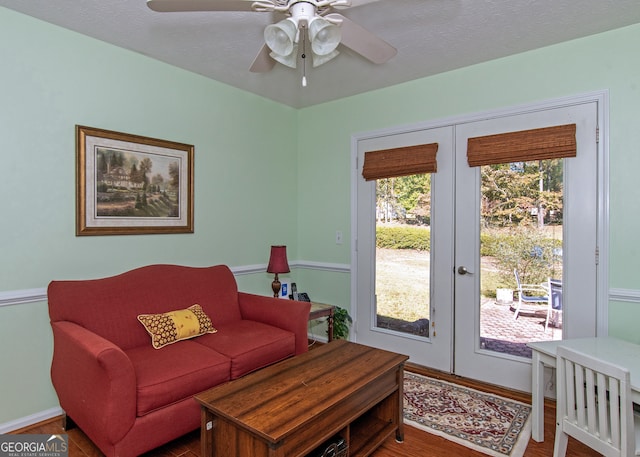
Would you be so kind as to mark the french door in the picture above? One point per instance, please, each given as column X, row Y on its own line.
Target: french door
column 453, row 342
column 579, row 243
column 434, row 348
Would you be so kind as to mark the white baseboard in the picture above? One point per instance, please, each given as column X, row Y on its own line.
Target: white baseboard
column 319, row 338
column 30, row 420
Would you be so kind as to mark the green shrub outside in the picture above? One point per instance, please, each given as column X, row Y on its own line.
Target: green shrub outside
column 403, row 238
column 535, row 256
column 523, row 248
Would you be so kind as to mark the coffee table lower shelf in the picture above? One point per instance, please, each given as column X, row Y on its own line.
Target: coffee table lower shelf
column 369, row 435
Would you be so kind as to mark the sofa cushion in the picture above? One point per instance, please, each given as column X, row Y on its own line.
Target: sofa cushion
column 175, row 372
column 174, row 326
column 250, row 345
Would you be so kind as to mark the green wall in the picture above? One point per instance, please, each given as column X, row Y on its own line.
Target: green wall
column 608, row 61
column 246, row 152
column 53, row 79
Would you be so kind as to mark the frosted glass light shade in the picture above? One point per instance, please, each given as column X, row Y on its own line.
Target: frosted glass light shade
column 325, row 36
column 290, row 60
column 319, row 60
column 281, row 37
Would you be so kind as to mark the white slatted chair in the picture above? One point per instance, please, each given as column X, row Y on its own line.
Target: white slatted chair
column 594, row 406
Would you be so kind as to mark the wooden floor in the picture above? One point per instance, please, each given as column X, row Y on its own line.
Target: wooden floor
column 417, row 443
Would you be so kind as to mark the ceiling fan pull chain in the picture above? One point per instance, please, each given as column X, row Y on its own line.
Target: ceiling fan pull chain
column 304, row 56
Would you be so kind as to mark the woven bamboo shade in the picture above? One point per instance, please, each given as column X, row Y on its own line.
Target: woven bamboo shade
column 537, row 144
column 408, row 160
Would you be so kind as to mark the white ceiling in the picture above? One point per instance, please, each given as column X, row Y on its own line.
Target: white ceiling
column 432, row 36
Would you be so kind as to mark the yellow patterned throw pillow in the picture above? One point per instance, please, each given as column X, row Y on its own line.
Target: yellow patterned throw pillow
column 174, row 326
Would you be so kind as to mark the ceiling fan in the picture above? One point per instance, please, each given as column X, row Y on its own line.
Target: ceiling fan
column 310, row 27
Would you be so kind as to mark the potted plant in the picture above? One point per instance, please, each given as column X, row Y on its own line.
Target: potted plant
column 341, row 323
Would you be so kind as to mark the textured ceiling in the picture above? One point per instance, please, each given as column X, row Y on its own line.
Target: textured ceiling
column 432, row 36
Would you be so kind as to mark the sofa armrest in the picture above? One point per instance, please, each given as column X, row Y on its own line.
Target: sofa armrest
column 289, row 315
column 94, row 379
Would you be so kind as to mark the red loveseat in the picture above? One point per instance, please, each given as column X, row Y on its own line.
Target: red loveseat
column 129, row 397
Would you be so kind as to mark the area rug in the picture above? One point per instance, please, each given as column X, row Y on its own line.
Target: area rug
column 487, row 423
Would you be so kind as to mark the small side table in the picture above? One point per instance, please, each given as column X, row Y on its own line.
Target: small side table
column 319, row 310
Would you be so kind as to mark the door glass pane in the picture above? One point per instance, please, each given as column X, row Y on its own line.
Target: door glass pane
column 403, row 218
column 521, row 255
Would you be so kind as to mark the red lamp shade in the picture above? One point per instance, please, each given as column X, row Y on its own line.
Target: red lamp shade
column 278, row 260
column 277, row 264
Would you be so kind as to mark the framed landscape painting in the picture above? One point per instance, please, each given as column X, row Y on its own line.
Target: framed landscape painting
column 130, row 184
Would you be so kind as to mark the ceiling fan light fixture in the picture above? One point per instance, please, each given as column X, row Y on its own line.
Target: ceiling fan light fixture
column 314, row 20
column 281, row 37
column 325, row 36
column 290, row 60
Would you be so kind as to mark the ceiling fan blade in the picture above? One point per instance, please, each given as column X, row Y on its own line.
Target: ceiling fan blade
column 263, row 62
column 362, row 41
column 165, row 6
column 355, row 3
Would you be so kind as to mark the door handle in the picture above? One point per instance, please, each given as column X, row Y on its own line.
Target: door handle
column 463, row 271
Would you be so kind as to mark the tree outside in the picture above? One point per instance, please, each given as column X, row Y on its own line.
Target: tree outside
column 521, row 221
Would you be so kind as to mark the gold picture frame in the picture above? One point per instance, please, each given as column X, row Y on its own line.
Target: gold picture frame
column 132, row 185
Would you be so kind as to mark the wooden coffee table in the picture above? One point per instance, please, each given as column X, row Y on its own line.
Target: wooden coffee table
column 290, row 408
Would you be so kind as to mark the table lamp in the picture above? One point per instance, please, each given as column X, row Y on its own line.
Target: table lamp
column 277, row 264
